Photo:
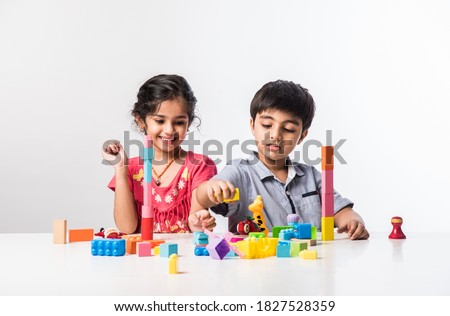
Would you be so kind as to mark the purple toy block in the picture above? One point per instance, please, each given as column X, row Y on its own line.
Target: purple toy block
column 218, row 248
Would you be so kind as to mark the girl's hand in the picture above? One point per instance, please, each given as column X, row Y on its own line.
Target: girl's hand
column 201, row 220
column 219, row 190
column 115, row 155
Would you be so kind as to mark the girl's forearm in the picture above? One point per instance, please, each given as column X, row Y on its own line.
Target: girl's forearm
column 125, row 215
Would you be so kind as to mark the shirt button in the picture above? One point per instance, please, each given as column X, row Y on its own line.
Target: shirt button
column 287, row 192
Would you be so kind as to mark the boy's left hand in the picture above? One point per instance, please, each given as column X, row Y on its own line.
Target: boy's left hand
column 354, row 229
column 201, row 220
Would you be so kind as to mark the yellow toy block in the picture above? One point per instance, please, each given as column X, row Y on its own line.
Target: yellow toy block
column 328, row 228
column 173, row 264
column 234, row 198
column 156, row 250
column 308, row 254
column 253, row 248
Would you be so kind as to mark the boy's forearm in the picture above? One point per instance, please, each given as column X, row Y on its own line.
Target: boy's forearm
column 202, row 195
column 346, row 214
column 125, row 215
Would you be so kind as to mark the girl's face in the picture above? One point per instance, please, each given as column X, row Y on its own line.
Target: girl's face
column 168, row 127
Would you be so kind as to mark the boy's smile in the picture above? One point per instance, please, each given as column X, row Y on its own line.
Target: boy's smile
column 276, row 133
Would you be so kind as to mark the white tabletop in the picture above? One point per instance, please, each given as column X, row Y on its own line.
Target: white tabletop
column 32, row 265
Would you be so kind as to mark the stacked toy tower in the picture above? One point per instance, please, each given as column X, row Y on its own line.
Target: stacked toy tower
column 327, row 193
column 147, row 207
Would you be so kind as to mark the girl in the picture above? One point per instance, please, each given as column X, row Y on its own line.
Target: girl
column 164, row 110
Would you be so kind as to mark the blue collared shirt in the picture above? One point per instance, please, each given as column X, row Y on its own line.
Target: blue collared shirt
column 300, row 194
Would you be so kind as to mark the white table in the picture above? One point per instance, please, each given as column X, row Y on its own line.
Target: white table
column 32, row 265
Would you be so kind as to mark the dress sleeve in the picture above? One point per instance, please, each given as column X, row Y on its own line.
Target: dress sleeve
column 112, row 183
column 203, row 171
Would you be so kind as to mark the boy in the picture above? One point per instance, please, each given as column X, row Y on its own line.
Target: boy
column 281, row 114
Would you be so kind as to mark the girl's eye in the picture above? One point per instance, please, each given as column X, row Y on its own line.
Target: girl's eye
column 159, row 121
column 181, row 123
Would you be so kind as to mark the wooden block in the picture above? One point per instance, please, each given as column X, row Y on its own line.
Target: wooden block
column 86, row 234
column 328, row 228
column 59, row 231
column 143, row 249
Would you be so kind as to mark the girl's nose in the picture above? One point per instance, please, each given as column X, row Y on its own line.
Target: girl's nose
column 169, row 128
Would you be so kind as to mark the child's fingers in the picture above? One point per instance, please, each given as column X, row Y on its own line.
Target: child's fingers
column 211, row 195
column 227, row 188
column 356, row 228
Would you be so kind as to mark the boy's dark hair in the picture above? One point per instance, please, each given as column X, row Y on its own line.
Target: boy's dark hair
column 161, row 88
column 285, row 96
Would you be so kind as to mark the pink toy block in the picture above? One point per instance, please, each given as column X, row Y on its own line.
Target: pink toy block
column 327, row 193
column 143, row 249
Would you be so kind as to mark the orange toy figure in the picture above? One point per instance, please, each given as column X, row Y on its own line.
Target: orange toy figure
column 257, row 209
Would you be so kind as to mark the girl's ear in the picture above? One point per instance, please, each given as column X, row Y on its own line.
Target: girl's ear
column 304, row 134
column 252, row 126
column 140, row 123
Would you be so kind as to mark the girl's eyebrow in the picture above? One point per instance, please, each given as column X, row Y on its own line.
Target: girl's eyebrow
column 287, row 121
column 177, row 117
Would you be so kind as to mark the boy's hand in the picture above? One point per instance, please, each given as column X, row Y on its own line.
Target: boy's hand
column 115, row 155
column 219, row 190
column 354, row 229
column 201, row 220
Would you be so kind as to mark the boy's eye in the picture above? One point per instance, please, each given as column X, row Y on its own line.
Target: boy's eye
column 266, row 125
column 289, row 130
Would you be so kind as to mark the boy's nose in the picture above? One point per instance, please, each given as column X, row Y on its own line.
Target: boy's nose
column 275, row 135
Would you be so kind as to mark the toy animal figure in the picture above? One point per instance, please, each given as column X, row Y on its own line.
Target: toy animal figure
column 247, row 226
column 257, row 209
column 110, row 233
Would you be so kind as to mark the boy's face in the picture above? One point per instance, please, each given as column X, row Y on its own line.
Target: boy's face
column 276, row 134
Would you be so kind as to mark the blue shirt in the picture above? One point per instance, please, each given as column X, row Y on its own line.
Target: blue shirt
column 300, row 194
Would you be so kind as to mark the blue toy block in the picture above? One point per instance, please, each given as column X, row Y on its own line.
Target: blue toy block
column 146, row 153
column 201, row 251
column 303, row 230
column 108, row 247
column 166, row 249
column 283, row 250
column 200, row 238
column 286, row 234
column 147, row 171
column 231, row 253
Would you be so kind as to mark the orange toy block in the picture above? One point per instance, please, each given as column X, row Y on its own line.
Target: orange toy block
column 86, row 234
column 59, row 231
column 327, row 158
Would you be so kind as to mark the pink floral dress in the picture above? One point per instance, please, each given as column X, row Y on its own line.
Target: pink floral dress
column 171, row 204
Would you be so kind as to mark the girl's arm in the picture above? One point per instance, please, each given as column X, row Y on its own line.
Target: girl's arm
column 125, row 214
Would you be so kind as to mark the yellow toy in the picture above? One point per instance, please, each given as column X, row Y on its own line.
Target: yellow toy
column 257, row 209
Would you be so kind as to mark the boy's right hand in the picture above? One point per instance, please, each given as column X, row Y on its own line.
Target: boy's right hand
column 219, row 190
column 115, row 155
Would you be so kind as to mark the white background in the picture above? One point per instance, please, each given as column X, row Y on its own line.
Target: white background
column 70, row 71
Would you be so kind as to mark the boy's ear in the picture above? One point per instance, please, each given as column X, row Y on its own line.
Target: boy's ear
column 304, row 134
column 252, row 126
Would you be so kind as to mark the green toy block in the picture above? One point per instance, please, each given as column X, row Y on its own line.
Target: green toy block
column 276, row 230
column 296, row 247
column 257, row 235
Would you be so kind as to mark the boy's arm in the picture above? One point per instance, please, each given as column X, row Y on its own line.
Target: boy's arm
column 347, row 220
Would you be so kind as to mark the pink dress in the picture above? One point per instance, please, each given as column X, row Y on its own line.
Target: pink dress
column 171, row 204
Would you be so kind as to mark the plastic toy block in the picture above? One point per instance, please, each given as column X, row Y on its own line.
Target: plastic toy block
column 231, row 253
column 200, row 238
column 313, row 232
column 327, row 193
column 327, row 158
column 283, row 250
column 173, row 264
column 276, row 230
column 258, row 248
column 309, row 242
column 59, row 231
column 143, row 249
column 257, row 235
column 108, row 247
column 218, row 248
column 146, row 153
column 293, row 218
column 257, row 209
column 286, row 234
column 235, row 239
column 328, row 228
column 81, row 234
column 155, row 243
column 156, row 250
column 308, row 254
column 201, row 251
column 297, row 247
column 303, row 230
column 131, row 244
column 166, row 249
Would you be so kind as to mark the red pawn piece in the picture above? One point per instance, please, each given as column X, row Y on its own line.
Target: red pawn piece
column 397, row 232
